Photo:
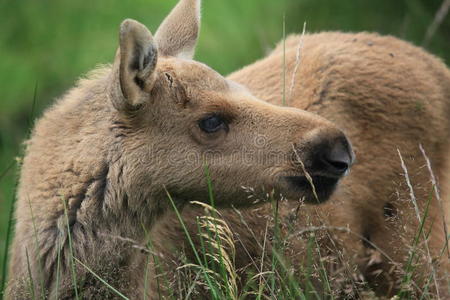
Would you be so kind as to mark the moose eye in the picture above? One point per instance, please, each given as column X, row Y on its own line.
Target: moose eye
column 212, row 124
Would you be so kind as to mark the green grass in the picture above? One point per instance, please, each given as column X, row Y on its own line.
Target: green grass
column 116, row 292
column 47, row 45
column 215, row 272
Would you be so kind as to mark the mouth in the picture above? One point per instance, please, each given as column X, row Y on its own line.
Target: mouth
column 323, row 188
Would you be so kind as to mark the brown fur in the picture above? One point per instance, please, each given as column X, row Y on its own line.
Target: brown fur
column 101, row 160
column 388, row 96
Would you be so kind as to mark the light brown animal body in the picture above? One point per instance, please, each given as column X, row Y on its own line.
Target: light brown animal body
column 101, row 162
column 390, row 97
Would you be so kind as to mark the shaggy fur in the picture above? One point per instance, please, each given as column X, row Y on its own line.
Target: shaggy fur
column 101, row 160
column 389, row 97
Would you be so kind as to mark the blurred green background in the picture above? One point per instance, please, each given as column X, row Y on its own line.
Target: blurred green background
column 46, row 45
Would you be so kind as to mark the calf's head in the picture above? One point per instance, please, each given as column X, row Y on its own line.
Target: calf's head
column 179, row 118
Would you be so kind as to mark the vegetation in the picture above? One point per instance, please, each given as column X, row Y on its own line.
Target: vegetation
column 46, row 45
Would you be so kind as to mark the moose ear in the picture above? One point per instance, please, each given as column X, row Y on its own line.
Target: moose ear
column 135, row 65
column 178, row 33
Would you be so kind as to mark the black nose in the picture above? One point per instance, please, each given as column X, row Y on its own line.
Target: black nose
column 337, row 157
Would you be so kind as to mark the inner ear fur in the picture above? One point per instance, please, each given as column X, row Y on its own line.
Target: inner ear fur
column 135, row 65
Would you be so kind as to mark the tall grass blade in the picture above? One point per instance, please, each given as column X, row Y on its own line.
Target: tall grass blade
column 191, row 243
column 6, row 253
column 35, row 234
column 58, row 268
column 276, row 241
column 30, row 276
column 225, row 266
column 297, row 62
column 284, row 60
column 421, row 221
column 8, row 168
column 101, row 280
column 157, row 266
column 438, row 198
column 33, row 108
column 72, row 263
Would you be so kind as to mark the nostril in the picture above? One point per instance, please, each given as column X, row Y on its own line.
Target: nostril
column 338, row 165
column 339, row 157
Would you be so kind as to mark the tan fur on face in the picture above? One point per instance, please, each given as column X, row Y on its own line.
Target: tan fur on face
column 388, row 96
column 101, row 160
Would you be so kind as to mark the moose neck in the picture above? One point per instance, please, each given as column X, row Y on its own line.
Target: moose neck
column 107, row 233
